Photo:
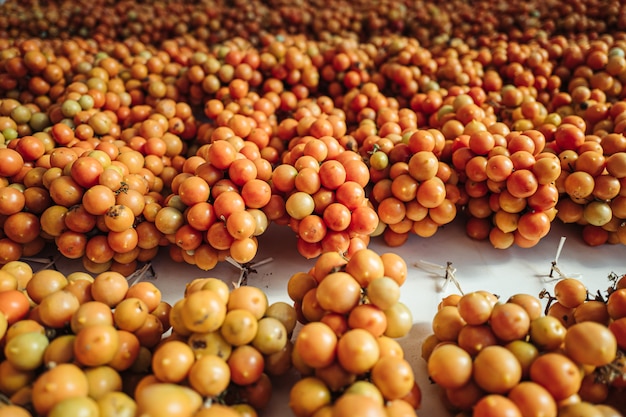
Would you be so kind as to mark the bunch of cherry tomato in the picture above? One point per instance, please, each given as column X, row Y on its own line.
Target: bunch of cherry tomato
column 347, row 351
column 100, row 346
column 520, row 358
column 133, row 129
column 116, row 148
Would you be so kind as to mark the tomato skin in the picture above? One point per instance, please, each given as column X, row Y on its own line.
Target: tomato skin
column 14, row 304
column 618, row 327
column 456, row 358
column 496, row 370
column 317, row 343
column 12, row 162
column 86, row 171
column 590, row 343
column 66, row 380
column 308, row 395
column 167, row 399
column 13, row 411
column 616, row 304
column 556, row 373
column 496, row 404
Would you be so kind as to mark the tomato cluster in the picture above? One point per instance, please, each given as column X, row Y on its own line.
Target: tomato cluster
column 132, row 128
column 113, row 129
column 520, row 358
column 80, row 344
column 119, row 144
column 72, row 342
column 346, row 350
column 225, row 345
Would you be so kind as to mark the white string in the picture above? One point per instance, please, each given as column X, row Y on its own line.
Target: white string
column 234, row 263
column 447, row 272
column 554, row 268
column 47, row 262
column 261, row 263
column 139, row 274
column 428, row 266
column 559, row 248
column 246, row 269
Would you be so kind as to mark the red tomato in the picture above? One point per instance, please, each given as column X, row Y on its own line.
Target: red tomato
column 14, row 304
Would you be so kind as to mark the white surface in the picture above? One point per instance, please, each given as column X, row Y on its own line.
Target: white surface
column 478, row 267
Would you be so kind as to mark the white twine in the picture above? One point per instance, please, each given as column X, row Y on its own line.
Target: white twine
column 47, row 262
column 140, row 274
column 554, row 267
column 446, row 272
column 246, row 269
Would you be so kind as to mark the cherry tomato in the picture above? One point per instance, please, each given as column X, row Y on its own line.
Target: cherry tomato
column 14, row 304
